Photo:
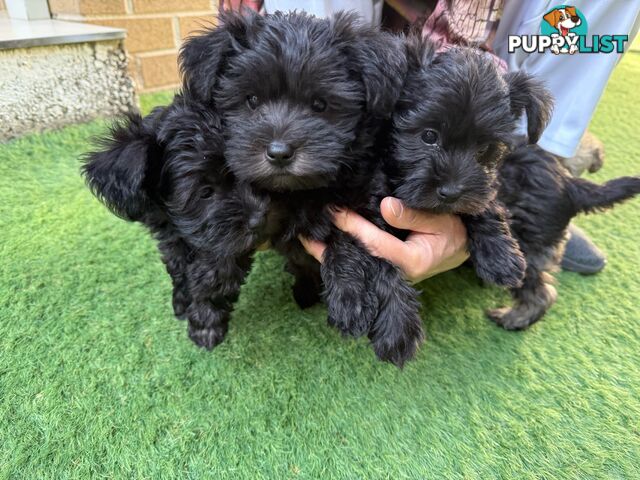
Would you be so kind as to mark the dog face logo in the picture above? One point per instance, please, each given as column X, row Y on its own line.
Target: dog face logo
column 563, row 30
column 564, row 24
column 563, row 19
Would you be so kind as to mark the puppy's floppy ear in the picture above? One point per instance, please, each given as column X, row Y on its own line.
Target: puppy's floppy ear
column 572, row 11
column 530, row 95
column 553, row 17
column 119, row 174
column 203, row 57
column 377, row 57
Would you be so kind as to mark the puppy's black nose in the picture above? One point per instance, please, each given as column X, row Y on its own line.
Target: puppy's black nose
column 449, row 193
column 279, row 153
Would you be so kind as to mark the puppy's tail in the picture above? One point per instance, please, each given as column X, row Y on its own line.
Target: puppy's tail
column 590, row 197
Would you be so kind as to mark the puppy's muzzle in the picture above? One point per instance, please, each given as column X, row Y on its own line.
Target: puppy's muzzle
column 280, row 154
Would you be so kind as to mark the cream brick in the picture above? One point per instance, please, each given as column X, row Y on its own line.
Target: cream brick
column 155, row 6
column 64, row 6
column 192, row 24
column 143, row 34
column 102, row 7
column 159, row 70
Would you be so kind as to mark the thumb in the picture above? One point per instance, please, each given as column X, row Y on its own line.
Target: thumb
column 397, row 215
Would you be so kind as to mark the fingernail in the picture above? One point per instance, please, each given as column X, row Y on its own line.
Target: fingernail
column 338, row 212
column 396, row 207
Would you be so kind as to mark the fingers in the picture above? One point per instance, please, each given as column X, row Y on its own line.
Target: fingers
column 437, row 242
column 313, row 247
column 435, row 254
column 396, row 214
column 378, row 242
column 413, row 257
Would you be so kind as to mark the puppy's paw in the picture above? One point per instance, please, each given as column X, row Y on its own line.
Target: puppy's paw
column 398, row 346
column 522, row 315
column 512, row 318
column 506, row 318
column 503, row 264
column 305, row 293
column 207, row 326
column 353, row 313
column 397, row 330
column 207, row 337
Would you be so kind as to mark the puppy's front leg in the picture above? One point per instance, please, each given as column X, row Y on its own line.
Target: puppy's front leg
column 175, row 255
column 494, row 252
column 535, row 296
column 366, row 294
column 306, row 270
column 214, row 285
column 346, row 270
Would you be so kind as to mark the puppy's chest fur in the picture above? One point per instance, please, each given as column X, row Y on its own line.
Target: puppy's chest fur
column 308, row 213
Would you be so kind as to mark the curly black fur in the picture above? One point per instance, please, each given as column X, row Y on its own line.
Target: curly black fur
column 456, row 119
column 278, row 119
column 542, row 198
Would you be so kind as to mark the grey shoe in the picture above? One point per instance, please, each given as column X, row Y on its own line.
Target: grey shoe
column 589, row 156
column 581, row 255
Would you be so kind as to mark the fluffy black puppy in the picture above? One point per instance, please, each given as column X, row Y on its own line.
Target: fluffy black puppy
column 278, row 119
column 542, row 198
column 455, row 149
column 455, row 121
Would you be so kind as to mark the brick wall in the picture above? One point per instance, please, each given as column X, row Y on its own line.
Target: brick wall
column 155, row 30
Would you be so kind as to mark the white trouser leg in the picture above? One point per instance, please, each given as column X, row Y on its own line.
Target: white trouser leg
column 577, row 81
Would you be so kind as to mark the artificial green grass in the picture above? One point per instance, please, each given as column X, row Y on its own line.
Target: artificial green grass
column 98, row 380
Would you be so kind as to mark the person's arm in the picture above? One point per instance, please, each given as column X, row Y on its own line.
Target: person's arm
column 437, row 243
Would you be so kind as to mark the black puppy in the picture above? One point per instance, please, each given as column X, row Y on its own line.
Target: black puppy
column 542, row 198
column 456, row 119
column 455, row 149
column 278, row 119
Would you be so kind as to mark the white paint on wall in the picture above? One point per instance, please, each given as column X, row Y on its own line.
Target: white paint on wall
column 28, row 9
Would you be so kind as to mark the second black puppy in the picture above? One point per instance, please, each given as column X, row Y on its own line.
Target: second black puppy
column 456, row 150
column 455, row 121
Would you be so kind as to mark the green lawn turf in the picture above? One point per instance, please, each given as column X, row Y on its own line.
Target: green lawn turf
column 97, row 379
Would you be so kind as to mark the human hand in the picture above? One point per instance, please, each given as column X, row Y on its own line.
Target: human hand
column 437, row 243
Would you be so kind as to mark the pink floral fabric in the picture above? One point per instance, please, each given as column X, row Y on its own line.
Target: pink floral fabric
column 457, row 22
column 236, row 5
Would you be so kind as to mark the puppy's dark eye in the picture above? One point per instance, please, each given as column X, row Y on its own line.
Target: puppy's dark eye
column 430, row 137
column 318, row 105
column 253, row 101
column 206, row 192
column 482, row 150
